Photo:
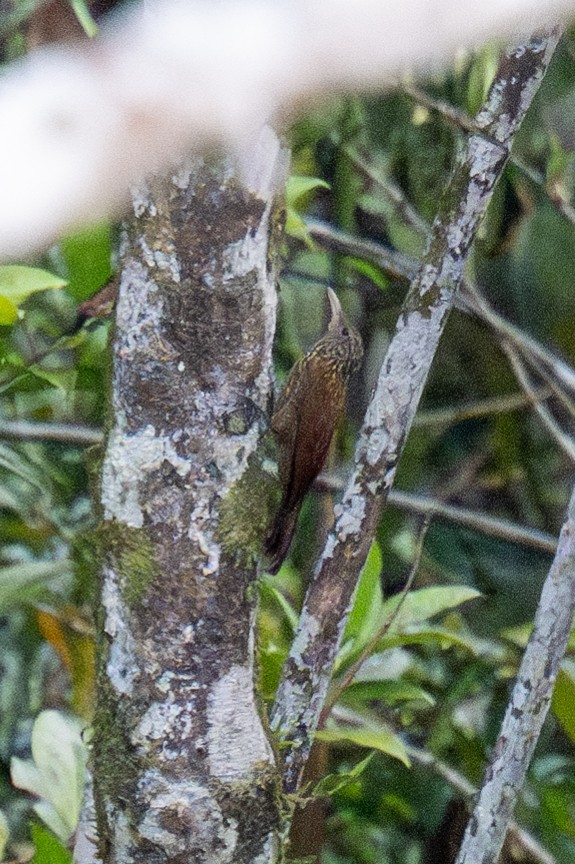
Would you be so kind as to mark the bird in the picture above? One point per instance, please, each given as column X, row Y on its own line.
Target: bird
column 305, row 418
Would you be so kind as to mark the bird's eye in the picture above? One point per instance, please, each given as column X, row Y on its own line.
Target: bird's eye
column 345, row 331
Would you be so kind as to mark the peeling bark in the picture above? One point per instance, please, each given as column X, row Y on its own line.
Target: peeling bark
column 183, row 770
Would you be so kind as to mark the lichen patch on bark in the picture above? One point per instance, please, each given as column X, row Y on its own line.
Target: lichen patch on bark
column 182, row 817
column 233, row 720
column 129, row 459
column 121, row 666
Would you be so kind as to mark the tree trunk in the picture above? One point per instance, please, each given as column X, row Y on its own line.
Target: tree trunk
column 183, row 769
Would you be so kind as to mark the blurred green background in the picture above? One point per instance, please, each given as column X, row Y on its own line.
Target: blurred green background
column 438, row 675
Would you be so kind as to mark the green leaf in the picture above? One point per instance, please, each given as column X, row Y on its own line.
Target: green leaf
column 559, row 159
column 56, row 773
column 518, row 635
column 16, row 464
column 365, row 615
column 365, row 729
column 390, row 692
column 563, row 701
column 86, row 256
column 298, row 187
column 425, row 635
column 425, row 603
column 376, row 737
column 26, row 582
column 62, row 379
column 17, row 283
column 481, row 74
column 289, row 612
column 48, row 848
column 8, row 312
column 416, row 607
column 371, row 271
column 296, row 227
column 332, row 783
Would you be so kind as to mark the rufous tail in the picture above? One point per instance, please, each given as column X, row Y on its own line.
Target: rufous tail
column 280, row 537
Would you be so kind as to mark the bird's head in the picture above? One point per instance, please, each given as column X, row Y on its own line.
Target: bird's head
column 341, row 338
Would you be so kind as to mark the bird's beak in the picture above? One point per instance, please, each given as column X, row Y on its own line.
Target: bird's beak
column 335, row 307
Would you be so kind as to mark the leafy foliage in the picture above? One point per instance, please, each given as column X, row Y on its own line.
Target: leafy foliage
column 431, row 669
column 56, row 774
column 53, row 372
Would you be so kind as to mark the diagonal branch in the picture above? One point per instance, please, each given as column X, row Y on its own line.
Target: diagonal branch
column 555, row 371
column 474, row 520
column 466, row 789
column 528, row 706
column 564, row 440
column 306, row 675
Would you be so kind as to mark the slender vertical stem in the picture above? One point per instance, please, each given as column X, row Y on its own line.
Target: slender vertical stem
column 528, row 706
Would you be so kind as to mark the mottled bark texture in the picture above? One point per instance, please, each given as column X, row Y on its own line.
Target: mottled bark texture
column 528, row 707
column 183, row 770
column 307, row 673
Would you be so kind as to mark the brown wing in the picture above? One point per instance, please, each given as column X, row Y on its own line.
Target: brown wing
column 320, row 407
column 284, row 422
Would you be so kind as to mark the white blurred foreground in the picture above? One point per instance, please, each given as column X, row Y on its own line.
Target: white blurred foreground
column 79, row 125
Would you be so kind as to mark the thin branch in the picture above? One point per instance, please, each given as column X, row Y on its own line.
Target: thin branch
column 67, row 432
column 479, row 408
column 466, row 789
column 491, row 526
column 404, row 211
column 307, row 673
column 566, row 443
column 458, row 118
column 391, row 262
column 502, row 529
column 542, row 371
column 528, row 706
column 470, row 299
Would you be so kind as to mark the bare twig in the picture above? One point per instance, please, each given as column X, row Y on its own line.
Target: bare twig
column 392, row 262
column 462, row 785
column 67, row 432
column 472, row 300
column 491, row 526
column 479, row 408
column 405, row 212
column 502, row 529
column 305, row 680
column 566, row 443
column 453, row 115
column 528, row 706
